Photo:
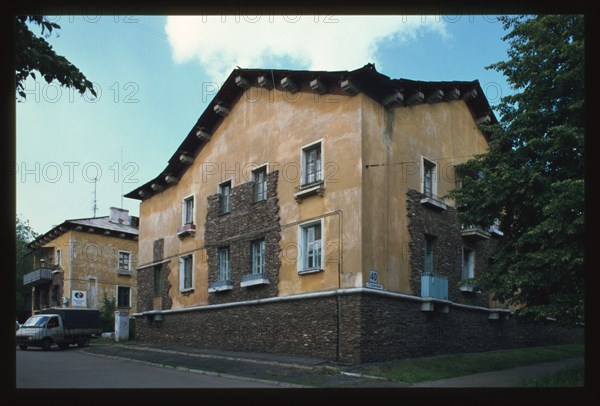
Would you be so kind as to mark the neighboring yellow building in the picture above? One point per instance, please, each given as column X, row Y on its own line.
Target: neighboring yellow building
column 304, row 214
column 78, row 262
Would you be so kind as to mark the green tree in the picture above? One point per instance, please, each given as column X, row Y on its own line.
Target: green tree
column 107, row 312
column 532, row 178
column 35, row 54
column 25, row 235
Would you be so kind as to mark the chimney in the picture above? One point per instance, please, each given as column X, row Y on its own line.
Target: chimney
column 119, row 216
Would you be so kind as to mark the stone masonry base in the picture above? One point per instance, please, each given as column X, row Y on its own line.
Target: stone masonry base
column 349, row 327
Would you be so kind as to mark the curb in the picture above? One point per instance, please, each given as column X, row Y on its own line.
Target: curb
column 197, row 371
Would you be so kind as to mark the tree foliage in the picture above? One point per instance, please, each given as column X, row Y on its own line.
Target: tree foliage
column 35, row 54
column 25, row 234
column 107, row 312
column 532, row 178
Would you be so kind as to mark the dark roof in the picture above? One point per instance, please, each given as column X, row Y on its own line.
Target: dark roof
column 94, row 224
column 366, row 80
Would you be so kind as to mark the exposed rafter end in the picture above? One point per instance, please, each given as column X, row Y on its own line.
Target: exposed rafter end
column 349, row 87
column 242, row 82
column 143, row 193
column 396, row 98
column 171, row 180
column 452, row 94
column 486, row 119
column 318, row 86
column 416, row 98
column 288, row 84
column 186, row 159
column 435, row 97
column 221, row 110
column 470, row 95
column 265, row 82
column 203, row 134
column 157, row 187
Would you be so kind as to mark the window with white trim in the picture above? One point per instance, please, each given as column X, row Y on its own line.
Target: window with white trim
column 468, row 264
column 310, row 255
column 224, row 197
column 124, row 263
column 429, row 178
column 259, row 177
column 429, row 250
column 186, row 267
column 223, row 264
column 258, row 256
column 57, row 259
column 312, row 168
column 188, row 210
column 123, row 296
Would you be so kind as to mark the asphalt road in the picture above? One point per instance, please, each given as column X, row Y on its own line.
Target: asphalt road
column 72, row 369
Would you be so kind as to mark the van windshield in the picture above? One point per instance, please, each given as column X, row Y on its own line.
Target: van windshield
column 36, row 321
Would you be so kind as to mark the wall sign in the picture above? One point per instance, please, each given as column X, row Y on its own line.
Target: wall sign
column 374, row 280
column 78, row 298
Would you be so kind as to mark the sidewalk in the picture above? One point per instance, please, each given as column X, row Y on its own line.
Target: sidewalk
column 290, row 371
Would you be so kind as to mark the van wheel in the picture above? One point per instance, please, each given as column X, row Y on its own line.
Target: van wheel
column 46, row 344
column 83, row 342
column 23, row 347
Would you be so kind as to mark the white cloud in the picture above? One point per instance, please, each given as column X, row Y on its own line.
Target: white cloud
column 219, row 43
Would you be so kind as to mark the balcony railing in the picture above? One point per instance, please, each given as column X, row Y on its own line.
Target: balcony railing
column 186, row 229
column 434, row 202
column 218, row 286
column 473, row 232
column 308, row 189
column 254, row 279
column 434, row 286
column 38, row 277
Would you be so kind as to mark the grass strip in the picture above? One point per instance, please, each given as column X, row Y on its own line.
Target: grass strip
column 568, row 377
column 449, row 366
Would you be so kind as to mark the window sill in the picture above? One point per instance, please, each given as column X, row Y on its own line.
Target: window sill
column 186, row 229
column 308, row 271
column 309, row 189
column 434, row 203
column 123, row 272
column 254, row 282
column 219, row 286
column 189, row 290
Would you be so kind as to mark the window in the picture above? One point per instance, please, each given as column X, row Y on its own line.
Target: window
column 57, row 262
column 224, row 264
column 429, row 181
column 258, row 257
column 468, row 266
column 259, row 177
column 188, row 210
column 224, row 195
column 185, row 273
column 312, row 168
column 157, row 280
column 429, row 254
column 310, row 245
column 124, row 261
column 123, row 296
column 52, row 323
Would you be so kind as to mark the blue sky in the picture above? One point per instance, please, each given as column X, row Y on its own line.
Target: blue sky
column 155, row 75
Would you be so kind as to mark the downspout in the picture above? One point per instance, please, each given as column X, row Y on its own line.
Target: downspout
column 71, row 255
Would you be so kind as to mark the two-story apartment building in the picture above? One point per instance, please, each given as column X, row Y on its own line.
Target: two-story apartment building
column 304, row 214
column 79, row 261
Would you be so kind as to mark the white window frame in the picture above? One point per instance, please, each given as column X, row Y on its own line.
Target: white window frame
column 57, row 258
column 223, row 276
column 425, row 162
column 470, row 272
column 182, row 261
column 220, row 192
column 128, row 269
column 303, row 247
column 184, row 201
column 130, row 294
column 259, row 268
column 264, row 167
column 303, row 160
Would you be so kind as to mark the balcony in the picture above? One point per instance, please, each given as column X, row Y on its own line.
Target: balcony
column 254, row 279
column 219, row 286
column 186, row 229
column 302, row 191
column 434, row 289
column 473, row 233
column 434, row 202
column 41, row 276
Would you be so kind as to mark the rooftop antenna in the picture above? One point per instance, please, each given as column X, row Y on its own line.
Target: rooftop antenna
column 121, row 177
column 95, row 207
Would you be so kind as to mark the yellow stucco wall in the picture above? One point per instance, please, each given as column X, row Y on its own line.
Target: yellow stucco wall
column 399, row 138
column 271, row 127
